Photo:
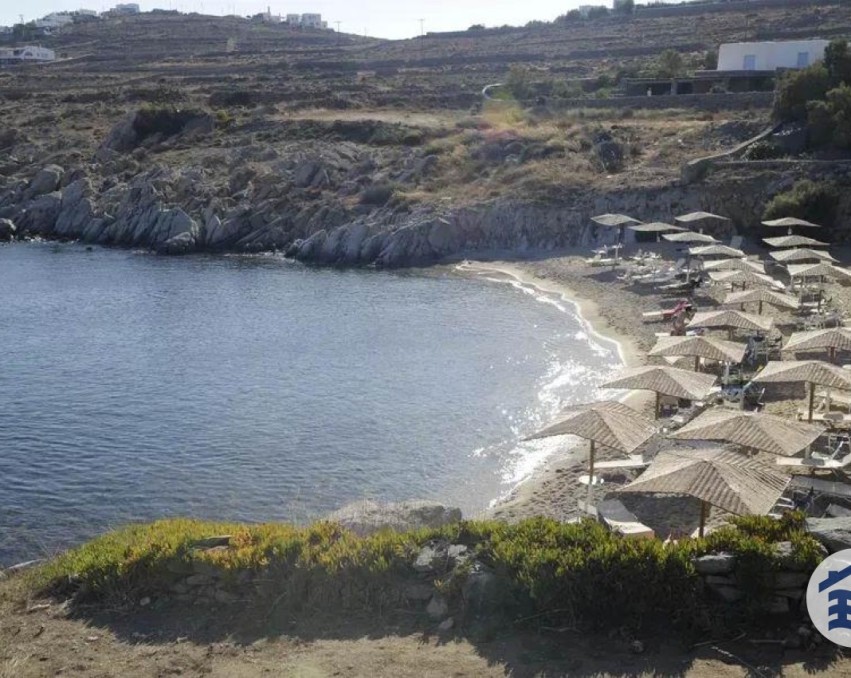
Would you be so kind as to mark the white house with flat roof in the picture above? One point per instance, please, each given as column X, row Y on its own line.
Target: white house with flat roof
column 769, row 56
column 29, row 53
column 311, row 20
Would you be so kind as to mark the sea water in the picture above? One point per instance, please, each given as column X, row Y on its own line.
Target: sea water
column 134, row 387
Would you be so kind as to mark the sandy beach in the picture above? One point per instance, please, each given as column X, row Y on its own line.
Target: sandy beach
column 614, row 310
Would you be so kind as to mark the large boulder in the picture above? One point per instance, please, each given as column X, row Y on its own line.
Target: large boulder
column 39, row 216
column 182, row 243
column 46, row 180
column 834, row 533
column 366, row 517
column 7, row 230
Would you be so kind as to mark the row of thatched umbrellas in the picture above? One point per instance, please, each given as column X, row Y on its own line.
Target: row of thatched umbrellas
column 736, row 482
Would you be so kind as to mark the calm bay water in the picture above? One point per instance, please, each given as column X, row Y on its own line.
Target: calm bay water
column 134, row 387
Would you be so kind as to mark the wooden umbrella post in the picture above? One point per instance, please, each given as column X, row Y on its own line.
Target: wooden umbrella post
column 703, row 511
column 658, row 403
column 812, row 402
column 760, row 307
column 697, row 363
column 589, row 497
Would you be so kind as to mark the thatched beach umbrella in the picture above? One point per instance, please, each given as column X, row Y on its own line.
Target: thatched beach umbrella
column 742, row 277
column 733, row 482
column 820, row 270
column 794, row 241
column 607, row 423
column 789, row 223
column 699, row 219
column 731, row 320
column 688, row 238
column 754, row 430
column 762, row 295
column 800, row 255
column 830, row 340
column 700, row 347
column 735, row 265
column 716, row 251
column 812, row 372
column 618, row 221
column 656, row 227
column 668, row 381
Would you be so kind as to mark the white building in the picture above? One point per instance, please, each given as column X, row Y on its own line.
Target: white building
column 769, row 56
column 126, row 8
column 294, row 19
column 26, row 54
column 55, row 20
column 311, row 20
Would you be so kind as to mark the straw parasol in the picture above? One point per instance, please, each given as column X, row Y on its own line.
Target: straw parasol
column 698, row 218
column 664, row 381
column 730, row 481
column 656, row 227
column 794, row 241
column 716, row 251
column 754, row 430
column 734, row 265
column 742, row 277
column 688, row 237
column 700, row 347
column 731, row 320
column 819, row 270
column 813, row 372
column 831, row 340
column 800, row 254
column 762, row 295
column 613, row 220
column 608, row 423
column 789, row 223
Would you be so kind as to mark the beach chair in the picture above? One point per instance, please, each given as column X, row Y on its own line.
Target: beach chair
column 634, row 461
column 614, row 515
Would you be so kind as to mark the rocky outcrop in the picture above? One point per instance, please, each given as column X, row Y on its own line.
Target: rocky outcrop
column 46, row 181
column 366, row 517
column 833, row 533
column 7, row 230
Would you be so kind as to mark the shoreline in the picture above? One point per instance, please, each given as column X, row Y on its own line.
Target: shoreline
column 527, row 496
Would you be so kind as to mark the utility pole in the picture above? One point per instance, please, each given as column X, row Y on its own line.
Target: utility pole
column 422, row 27
column 338, row 25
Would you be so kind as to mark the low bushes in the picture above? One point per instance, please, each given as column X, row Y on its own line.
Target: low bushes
column 565, row 573
column 810, row 200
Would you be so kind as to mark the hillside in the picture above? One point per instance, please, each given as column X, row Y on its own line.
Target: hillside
column 345, row 149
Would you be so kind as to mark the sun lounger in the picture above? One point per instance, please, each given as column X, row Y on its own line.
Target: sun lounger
column 601, row 261
column 614, row 515
column 828, row 487
column 634, row 461
column 815, row 462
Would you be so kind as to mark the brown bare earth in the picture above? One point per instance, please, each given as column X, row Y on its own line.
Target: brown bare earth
column 39, row 638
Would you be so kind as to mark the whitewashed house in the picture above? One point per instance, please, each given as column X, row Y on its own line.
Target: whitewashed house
column 125, row 8
column 26, row 54
column 311, row 20
column 769, row 56
column 294, row 19
column 54, row 21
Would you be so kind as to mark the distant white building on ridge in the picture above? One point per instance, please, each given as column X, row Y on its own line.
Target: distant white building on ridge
column 769, row 56
column 26, row 54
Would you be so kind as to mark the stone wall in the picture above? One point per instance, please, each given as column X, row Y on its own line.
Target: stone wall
column 704, row 102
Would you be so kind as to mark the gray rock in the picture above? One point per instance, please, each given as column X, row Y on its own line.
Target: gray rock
column 720, row 580
column 224, row 597
column 39, row 216
column 437, row 607
column 305, row 173
column 367, row 517
column 211, row 542
column 793, row 594
column 183, row 243
column 715, row 563
column 418, row 591
column 122, row 138
column 783, row 551
column 431, row 558
column 789, row 580
column 728, row 593
column 46, row 180
column 457, row 554
column 7, row 230
column 834, row 533
column 446, row 625
column 198, row 580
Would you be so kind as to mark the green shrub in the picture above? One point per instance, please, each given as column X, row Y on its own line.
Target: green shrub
column 808, row 200
column 670, row 64
column 796, row 89
column 577, row 574
column 764, row 150
column 829, row 122
column 837, row 61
